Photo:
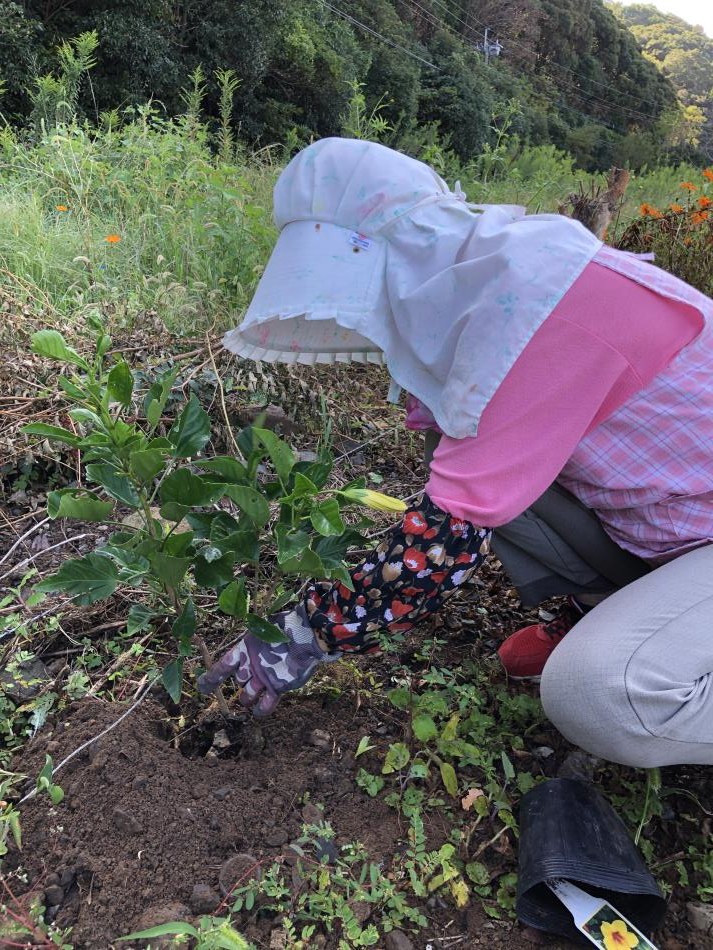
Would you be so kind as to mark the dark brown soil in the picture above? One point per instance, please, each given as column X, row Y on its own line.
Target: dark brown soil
column 147, row 816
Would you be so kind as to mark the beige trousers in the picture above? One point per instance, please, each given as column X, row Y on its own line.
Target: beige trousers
column 632, row 682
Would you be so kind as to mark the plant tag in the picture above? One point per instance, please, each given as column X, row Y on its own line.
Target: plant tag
column 600, row 923
column 360, row 241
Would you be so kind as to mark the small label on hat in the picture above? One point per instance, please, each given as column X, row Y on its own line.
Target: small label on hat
column 359, row 240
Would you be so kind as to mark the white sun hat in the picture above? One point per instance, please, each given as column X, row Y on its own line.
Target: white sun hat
column 378, row 261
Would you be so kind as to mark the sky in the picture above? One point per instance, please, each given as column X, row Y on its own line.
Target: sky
column 698, row 12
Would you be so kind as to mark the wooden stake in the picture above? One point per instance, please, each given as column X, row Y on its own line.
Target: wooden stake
column 208, row 662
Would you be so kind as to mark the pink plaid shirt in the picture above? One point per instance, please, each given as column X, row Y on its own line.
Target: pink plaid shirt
column 648, row 469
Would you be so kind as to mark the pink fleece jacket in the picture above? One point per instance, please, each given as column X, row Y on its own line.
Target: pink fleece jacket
column 606, row 340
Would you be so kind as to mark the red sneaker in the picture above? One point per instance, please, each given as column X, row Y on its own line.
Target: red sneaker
column 525, row 652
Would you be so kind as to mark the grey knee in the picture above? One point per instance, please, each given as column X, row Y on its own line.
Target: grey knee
column 585, row 697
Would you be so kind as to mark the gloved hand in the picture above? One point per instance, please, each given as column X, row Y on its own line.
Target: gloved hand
column 267, row 670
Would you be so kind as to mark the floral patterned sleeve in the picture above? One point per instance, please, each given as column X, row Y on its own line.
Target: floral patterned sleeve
column 410, row 575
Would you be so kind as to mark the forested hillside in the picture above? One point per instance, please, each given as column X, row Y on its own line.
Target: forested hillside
column 577, row 74
column 684, row 54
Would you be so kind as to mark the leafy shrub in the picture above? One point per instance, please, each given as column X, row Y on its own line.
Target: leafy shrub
column 178, row 541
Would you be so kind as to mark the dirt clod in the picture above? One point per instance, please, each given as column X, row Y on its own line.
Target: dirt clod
column 203, row 900
column 239, row 869
column 125, row 822
column 700, row 916
column 320, row 739
column 397, row 940
column 54, row 895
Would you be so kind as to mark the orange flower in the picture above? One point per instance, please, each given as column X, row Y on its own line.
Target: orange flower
column 647, row 209
column 112, row 238
column 708, row 172
column 62, row 208
column 689, row 186
column 698, row 217
column 676, row 208
column 705, row 202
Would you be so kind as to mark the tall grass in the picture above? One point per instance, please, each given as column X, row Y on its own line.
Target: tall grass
column 187, row 233
column 194, row 227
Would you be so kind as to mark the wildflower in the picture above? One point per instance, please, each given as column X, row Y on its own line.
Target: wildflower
column 62, row 208
column 705, row 202
column 689, row 186
column 676, row 207
column 617, row 936
column 698, row 217
column 650, row 211
column 708, row 172
column 112, row 238
column 374, row 499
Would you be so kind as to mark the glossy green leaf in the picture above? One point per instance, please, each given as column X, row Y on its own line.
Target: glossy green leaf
column 70, row 388
column 191, row 431
column 68, row 503
column 302, row 488
column 282, row 597
column 233, row 599
column 172, row 678
column 53, row 433
column 226, row 468
column 52, row 344
column 171, row 570
column 264, row 630
column 120, row 383
column 281, row 455
column 326, row 518
column 450, row 781
column 184, row 626
column 215, row 573
column 177, row 544
column 192, row 491
column 139, row 619
column 89, row 579
column 290, row 543
column 172, row 511
column 249, row 501
column 114, row 483
column 307, row 564
column 508, row 767
column 145, row 464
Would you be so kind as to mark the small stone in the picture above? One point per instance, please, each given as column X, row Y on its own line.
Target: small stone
column 54, row 895
column 543, row 752
column 579, row 765
column 221, row 740
column 238, row 870
column 203, row 899
column 276, row 838
column 25, row 680
column 125, row 822
column 158, row 914
column 397, row 940
column 320, row 739
column 221, row 793
column 52, row 879
column 66, row 877
column 700, row 916
column 362, row 911
column 140, row 782
column 311, row 815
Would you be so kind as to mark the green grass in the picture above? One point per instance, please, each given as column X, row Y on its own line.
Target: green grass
column 195, row 231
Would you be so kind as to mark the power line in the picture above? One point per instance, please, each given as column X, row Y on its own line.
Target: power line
column 385, row 39
column 572, row 72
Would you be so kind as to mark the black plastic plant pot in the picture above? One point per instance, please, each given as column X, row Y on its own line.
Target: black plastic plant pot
column 567, row 830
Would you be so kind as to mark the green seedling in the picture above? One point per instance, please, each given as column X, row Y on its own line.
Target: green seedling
column 187, row 522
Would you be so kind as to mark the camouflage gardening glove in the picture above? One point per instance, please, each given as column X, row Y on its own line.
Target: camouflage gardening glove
column 267, row 670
